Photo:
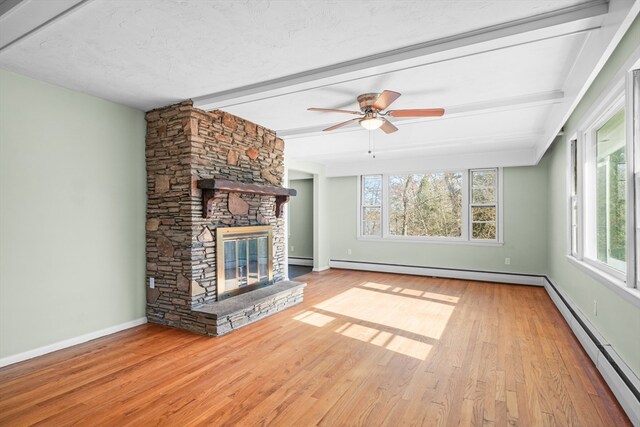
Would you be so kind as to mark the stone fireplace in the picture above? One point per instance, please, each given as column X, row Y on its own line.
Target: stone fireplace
column 214, row 188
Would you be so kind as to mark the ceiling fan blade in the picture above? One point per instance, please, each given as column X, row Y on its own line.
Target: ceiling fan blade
column 421, row 112
column 339, row 125
column 387, row 126
column 385, row 99
column 333, row 110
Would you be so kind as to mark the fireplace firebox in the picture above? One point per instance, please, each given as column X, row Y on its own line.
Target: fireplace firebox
column 244, row 259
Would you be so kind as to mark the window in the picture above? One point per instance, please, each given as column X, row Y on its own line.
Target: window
column 484, row 204
column 445, row 206
column 606, row 192
column 426, row 204
column 611, row 193
column 603, row 189
column 573, row 199
column 635, row 151
column 371, row 205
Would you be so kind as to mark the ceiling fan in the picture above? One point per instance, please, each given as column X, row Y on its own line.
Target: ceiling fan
column 371, row 115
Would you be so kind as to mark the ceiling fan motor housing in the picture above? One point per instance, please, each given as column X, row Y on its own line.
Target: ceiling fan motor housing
column 366, row 101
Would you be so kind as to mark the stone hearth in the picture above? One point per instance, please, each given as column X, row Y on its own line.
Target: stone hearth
column 185, row 146
column 225, row 316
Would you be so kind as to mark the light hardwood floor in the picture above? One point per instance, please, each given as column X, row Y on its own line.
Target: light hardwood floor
column 367, row 349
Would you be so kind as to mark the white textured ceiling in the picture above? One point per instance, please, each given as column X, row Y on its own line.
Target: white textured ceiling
column 501, row 88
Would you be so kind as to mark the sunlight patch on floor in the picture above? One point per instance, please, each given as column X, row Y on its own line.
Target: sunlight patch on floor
column 389, row 317
column 396, row 343
column 440, row 297
column 313, row 318
column 423, row 317
column 409, row 347
column 376, row 286
column 411, row 292
column 359, row 332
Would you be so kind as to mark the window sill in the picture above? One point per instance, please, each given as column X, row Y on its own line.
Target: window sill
column 616, row 285
column 430, row 241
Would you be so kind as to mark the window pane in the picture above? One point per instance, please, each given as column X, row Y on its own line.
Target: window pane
column 611, row 191
column 574, row 226
column 484, row 230
column 574, row 197
column 426, row 204
column 483, row 214
column 483, row 188
column 372, row 190
column 484, row 178
column 371, row 222
column 574, row 167
column 484, row 195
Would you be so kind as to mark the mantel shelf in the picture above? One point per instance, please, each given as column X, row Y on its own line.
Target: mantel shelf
column 210, row 187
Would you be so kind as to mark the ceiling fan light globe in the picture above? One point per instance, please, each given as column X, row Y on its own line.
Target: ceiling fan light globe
column 371, row 123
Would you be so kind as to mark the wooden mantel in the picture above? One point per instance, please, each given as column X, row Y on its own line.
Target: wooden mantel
column 210, row 187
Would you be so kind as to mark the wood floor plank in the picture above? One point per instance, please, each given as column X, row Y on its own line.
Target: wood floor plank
column 365, row 348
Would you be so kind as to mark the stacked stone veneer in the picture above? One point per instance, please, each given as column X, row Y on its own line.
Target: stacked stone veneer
column 185, row 144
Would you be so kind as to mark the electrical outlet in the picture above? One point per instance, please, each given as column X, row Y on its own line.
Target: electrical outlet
column 507, row 261
column 595, row 307
column 292, row 249
column 152, row 282
column 349, row 252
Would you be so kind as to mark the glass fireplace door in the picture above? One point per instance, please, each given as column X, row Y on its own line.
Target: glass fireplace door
column 244, row 260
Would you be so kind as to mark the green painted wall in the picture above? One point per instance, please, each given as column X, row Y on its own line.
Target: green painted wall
column 72, row 214
column 525, row 231
column 301, row 219
column 617, row 320
column 322, row 205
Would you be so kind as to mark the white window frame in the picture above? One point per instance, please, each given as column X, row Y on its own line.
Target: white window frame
column 465, row 237
column 497, row 204
column 589, row 255
column 621, row 94
column 577, row 251
column 633, row 171
column 362, row 206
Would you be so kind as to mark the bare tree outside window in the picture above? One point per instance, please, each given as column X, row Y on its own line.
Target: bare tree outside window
column 484, row 214
column 426, row 204
column 611, row 193
column 444, row 206
column 371, row 214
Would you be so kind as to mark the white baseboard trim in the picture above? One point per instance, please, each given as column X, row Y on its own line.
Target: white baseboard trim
column 326, row 267
column 485, row 276
column 600, row 351
column 30, row 354
column 301, row 261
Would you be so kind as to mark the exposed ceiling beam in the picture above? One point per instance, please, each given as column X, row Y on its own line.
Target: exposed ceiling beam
column 21, row 18
column 334, row 151
column 595, row 54
column 459, row 161
column 558, row 23
column 7, row 5
column 492, row 106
